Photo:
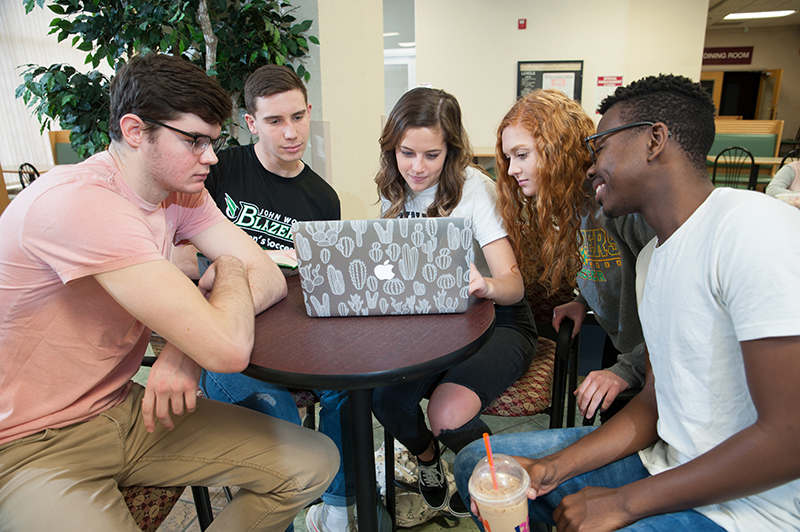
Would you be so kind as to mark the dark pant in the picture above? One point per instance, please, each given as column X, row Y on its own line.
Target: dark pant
column 500, row 362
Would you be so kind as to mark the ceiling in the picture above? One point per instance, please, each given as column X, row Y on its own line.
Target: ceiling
column 398, row 16
column 717, row 9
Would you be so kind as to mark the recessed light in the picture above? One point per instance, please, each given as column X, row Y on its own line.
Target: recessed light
column 391, row 34
column 407, row 44
column 760, row 14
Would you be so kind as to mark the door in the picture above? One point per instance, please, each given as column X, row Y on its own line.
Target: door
column 712, row 82
column 768, row 91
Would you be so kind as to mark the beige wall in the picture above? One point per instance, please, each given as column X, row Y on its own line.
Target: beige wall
column 351, row 91
column 471, row 47
column 772, row 48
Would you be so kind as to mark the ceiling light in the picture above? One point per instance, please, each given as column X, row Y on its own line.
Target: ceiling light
column 760, row 14
column 407, row 44
column 391, row 34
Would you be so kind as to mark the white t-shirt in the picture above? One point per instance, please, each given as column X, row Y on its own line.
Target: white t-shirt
column 727, row 275
column 478, row 202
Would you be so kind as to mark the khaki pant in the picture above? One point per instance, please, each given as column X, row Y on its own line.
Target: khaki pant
column 67, row 479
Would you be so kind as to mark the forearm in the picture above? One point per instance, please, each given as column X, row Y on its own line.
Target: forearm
column 754, row 460
column 630, row 367
column 267, row 283
column 233, row 301
column 506, row 289
column 630, row 430
column 185, row 258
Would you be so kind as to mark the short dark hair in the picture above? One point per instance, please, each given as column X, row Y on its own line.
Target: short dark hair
column 269, row 80
column 164, row 87
column 683, row 105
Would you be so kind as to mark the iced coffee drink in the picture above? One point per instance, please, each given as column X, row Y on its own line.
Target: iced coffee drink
column 504, row 509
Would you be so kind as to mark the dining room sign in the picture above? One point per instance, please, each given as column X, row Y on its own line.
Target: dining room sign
column 741, row 55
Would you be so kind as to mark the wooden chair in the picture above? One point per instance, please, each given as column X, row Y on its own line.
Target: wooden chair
column 4, row 199
column 62, row 149
column 735, row 165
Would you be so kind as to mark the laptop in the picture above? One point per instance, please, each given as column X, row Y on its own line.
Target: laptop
column 384, row 267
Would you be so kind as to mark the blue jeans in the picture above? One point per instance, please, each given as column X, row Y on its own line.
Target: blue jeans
column 276, row 401
column 545, row 442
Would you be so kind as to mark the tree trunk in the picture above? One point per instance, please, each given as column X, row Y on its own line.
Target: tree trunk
column 208, row 34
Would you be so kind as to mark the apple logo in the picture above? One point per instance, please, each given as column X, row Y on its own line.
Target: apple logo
column 384, row 271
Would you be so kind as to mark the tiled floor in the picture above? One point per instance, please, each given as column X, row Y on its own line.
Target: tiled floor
column 183, row 517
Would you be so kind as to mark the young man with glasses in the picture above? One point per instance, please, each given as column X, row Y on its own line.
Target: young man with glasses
column 85, row 276
column 709, row 444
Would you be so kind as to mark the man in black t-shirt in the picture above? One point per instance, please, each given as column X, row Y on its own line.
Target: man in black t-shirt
column 262, row 188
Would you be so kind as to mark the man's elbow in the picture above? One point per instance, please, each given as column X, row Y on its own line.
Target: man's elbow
column 233, row 357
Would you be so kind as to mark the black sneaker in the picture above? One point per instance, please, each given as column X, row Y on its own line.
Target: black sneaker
column 456, row 506
column 432, row 482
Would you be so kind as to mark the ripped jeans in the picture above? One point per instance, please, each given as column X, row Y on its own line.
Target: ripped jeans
column 276, row 401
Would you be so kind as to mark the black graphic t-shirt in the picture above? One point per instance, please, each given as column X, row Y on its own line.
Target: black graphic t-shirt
column 264, row 204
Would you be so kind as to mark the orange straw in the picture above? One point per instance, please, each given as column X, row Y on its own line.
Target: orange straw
column 491, row 460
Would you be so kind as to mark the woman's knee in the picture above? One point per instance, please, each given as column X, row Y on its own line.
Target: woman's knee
column 451, row 406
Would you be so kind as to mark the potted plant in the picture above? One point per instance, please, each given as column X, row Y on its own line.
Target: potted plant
column 228, row 38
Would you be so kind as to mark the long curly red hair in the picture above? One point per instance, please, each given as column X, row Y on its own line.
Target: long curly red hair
column 547, row 227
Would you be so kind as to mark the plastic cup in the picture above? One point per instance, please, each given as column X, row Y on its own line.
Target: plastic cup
column 504, row 509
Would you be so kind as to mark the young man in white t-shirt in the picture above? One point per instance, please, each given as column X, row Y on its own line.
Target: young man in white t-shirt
column 709, row 444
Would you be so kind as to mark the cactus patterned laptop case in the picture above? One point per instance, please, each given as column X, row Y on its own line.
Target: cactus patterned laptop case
column 384, row 267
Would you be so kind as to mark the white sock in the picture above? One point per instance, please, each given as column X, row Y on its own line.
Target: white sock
column 337, row 517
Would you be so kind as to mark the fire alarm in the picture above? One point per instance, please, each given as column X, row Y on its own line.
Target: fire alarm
column 522, row 23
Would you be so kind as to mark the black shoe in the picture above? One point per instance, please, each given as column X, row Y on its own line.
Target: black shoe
column 432, row 482
column 456, row 506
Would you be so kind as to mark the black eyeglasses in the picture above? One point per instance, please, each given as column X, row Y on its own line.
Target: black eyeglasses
column 200, row 143
column 590, row 144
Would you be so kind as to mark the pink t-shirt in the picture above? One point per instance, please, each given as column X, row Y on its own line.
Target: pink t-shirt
column 68, row 350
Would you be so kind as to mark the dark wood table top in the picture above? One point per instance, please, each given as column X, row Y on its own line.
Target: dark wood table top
column 292, row 349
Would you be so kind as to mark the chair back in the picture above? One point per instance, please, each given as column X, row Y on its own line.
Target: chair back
column 733, row 167
column 790, row 157
column 27, row 174
column 62, row 149
column 4, row 199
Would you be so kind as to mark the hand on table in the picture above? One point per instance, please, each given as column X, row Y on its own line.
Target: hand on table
column 572, row 310
column 173, row 381
column 592, row 509
column 479, row 285
column 598, row 390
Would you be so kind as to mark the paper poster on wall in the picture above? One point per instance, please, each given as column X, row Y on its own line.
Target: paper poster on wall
column 563, row 81
column 606, row 85
column 566, row 76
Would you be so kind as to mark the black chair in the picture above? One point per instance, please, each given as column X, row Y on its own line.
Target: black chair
column 790, row 157
column 27, row 174
column 610, row 354
column 736, row 166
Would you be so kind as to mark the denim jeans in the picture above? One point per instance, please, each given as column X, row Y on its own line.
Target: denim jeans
column 276, row 401
column 545, row 442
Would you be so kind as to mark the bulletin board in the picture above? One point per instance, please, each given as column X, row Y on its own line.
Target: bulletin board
column 566, row 76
